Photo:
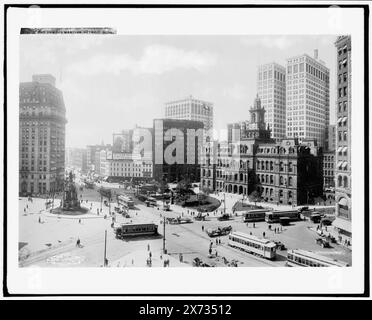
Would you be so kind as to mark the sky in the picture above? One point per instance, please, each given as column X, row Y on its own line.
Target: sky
column 114, row 82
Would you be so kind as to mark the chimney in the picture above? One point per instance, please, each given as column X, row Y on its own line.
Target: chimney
column 316, row 54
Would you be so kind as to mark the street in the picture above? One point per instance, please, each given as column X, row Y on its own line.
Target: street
column 49, row 240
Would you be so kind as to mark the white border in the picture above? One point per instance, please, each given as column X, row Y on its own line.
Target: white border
column 191, row 280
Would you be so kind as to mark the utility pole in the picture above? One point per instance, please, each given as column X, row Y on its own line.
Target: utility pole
column 104, row 254
column 224, row 202
column 164, row 250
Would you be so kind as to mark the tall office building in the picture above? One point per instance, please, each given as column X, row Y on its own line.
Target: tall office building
column 342, row 223
column 307, row 99
column 191, row 109
column 42, row 121
column 271, row 90
column 176, row 152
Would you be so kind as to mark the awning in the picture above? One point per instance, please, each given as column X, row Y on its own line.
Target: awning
column 339, row 149
column 343, row 202
column 344, row 119
column 339, row 164
column 344, row 164
column 344, row 149
column 339, row 120
column 342, row 224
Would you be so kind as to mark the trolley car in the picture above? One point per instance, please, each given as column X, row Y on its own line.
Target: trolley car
column 252, row 244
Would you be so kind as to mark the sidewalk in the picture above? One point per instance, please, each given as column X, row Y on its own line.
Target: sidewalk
column 139, row 259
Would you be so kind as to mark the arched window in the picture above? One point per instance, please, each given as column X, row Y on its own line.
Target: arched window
column 289, row 194
column 267, row 178
column 267, row 165
column 290, row 167
column 339, row 181
column 281, row 180
column 290, row 181
column 271, row 165
column 345, row 182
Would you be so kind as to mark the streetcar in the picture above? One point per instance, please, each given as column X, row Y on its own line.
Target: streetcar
column 125, row 201
column 105, row 192
column 140, row 229
column 254, row 215
column 274, row 216
column 253, row 245
column 304, row 258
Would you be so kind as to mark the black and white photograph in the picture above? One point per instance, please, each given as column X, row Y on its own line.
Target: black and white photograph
column 208, row 152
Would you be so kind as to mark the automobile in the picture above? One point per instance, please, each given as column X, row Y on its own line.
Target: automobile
column 224, row 217
column 322, row 242
column 199, row 217
column 315, row 217
column 280, row 245
column 304, row 209
column 219, row 231
column 326, row 221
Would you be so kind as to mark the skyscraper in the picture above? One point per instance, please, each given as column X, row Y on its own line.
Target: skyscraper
column 307, row 99
column 271, row 90
column 343, row 140
column 42, row 120
column 176, row 150
column 191, row 109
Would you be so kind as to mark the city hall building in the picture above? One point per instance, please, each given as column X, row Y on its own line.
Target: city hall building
column 287, row 172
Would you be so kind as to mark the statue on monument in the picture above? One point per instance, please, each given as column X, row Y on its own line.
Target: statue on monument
column 70, row 199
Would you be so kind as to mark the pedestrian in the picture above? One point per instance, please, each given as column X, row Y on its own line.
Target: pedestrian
column 254, row 225
column 148, row 247
column 78, row 242
column 210, row 250
column 263, row 233
column 79, row 220
column 202, row 228
column 250, row 233
column 216, row 241
column 216, row 253
column 219, row 241
column 150, row 254
column 24, row 210
column 39, row 220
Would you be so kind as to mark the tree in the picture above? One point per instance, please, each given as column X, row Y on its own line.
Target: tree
column 255, row 197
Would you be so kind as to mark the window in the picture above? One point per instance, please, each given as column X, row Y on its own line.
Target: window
column 339, row 181
column 345, row 91
column 345, row 136
column 289, row 70
column 340, row 93
column 301, row 67
column 290, row 181
column 345, row 106
column 345, row 182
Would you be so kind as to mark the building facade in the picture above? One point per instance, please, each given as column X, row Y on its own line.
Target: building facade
column 342, row 223
column 208, row 166
column 307, row 99
column 176, row 150
column 271, row 84
column 191, row 108
column 329, row 169
column 284, row 173
column 123, row 167
column 332, row 138
column 42, row 121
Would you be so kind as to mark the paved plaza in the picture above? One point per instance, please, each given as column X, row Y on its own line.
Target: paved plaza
column 49, row 240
